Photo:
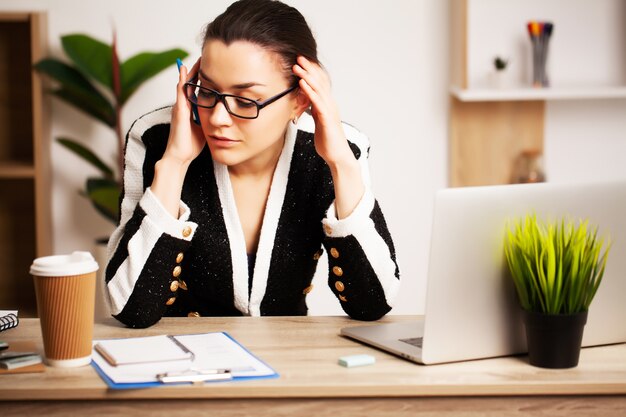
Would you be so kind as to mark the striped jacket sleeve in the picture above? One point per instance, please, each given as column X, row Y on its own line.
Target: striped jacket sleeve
column 363, row 271
column 145, row 249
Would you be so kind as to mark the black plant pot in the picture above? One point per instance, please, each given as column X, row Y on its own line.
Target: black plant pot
column 554, row 340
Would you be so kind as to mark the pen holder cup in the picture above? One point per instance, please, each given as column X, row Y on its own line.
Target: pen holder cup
column 540, row 76
column 540, row 33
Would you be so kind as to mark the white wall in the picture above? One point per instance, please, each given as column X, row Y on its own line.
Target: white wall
column 584, row 140
column 388, row 62
column 394, row 54
column 586, row 47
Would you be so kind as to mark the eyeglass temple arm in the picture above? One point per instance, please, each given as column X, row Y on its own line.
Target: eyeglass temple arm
column 270, row 100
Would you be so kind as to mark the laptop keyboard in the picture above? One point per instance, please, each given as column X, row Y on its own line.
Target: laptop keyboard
column 414, row 341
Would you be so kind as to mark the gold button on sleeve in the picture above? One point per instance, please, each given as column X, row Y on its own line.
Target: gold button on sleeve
column 317, row 255
column 186, row 231
column 170, row 301
column 328, row 229
column 176, row 272
column 342, row 298
column 193, row 314
column 307, row 289
column 174, row 286
column 182, row 285
column 179, row 258
column 337, row 271
column 334, row 253
column 339, row 286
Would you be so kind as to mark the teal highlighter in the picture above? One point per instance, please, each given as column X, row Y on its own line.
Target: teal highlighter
column 194, row 108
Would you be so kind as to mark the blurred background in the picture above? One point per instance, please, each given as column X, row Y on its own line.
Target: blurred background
column 417, row 76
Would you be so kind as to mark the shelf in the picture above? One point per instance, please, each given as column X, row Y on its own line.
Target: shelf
column 16, row 170
column 530, row 94
column 25, row 223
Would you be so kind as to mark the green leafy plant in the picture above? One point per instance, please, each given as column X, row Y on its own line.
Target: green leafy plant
column 97, row 84
column 556, row 267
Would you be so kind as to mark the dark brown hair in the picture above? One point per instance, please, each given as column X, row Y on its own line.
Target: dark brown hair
column 270, row 24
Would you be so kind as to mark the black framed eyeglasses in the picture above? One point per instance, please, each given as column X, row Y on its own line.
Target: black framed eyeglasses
column 242, row 107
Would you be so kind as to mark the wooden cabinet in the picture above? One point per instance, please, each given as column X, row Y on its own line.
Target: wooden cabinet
column 489, row 126
column 25, row 226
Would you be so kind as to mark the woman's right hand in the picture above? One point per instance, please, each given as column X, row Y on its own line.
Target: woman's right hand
column 186, row 139
column 184, row 144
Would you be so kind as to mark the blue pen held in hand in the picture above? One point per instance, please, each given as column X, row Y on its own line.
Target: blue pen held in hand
column 194, row 108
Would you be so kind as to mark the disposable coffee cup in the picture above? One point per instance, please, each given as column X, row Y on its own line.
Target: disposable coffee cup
column 66, row 290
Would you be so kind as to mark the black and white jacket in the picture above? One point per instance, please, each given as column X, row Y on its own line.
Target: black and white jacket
column 197, row 265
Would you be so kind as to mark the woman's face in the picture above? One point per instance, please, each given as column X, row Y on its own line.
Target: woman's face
column 248, row 70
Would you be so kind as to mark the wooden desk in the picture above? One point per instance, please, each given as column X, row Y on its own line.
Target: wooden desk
column 304, row 350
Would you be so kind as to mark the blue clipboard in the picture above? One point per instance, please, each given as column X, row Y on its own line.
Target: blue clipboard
column 135, row 385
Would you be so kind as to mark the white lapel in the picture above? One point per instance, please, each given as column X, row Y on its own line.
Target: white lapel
column 273, row 209
column 236, row 239
column 268, row 229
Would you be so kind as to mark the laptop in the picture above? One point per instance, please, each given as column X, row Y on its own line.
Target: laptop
column 471, row 309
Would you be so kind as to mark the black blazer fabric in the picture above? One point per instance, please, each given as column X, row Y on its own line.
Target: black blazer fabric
column 197, row 265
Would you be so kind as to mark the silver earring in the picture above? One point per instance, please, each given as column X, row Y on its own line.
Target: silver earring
column 295, row 120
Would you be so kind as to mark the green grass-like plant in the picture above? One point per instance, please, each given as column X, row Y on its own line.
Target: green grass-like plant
column 556, row 267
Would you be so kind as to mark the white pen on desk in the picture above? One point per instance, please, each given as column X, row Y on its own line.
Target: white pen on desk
column 195, row 375
column 242, row 369
column 182, row 346
column 209, row 371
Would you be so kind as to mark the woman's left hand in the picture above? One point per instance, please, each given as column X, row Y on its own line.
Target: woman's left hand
column 330, row 141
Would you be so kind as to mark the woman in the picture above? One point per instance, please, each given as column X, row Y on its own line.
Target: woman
column 229, row 217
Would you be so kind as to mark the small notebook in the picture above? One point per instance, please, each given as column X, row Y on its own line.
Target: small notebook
column 138, row 350
column 8, row 319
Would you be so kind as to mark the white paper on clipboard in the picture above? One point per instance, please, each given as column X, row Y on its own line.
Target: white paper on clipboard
column 210, row 350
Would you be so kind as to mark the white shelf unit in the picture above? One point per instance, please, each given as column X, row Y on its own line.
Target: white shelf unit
column 528, row 94
column 491, row 124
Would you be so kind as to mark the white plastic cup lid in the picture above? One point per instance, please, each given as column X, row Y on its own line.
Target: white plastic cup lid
column 77, row 263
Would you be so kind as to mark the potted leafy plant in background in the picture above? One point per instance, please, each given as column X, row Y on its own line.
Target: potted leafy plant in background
column 499, row 75
column 98, row 84
column 500, row 63
column 557, row 269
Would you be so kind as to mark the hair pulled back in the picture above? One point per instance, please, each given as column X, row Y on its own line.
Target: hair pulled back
column 270, row 24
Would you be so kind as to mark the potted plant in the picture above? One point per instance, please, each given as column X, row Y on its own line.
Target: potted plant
column 499, row 73
column 98, row 84
column 557, row 268
column 500, row 63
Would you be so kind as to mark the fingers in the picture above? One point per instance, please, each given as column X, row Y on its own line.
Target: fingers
column 185, row 76
column 314, row 82
column 313, row 74
column 182, row 108
column 316, row 101
column 193, row 73
column 180, row 87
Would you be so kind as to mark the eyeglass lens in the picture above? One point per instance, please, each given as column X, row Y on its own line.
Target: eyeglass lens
column 238, row 106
